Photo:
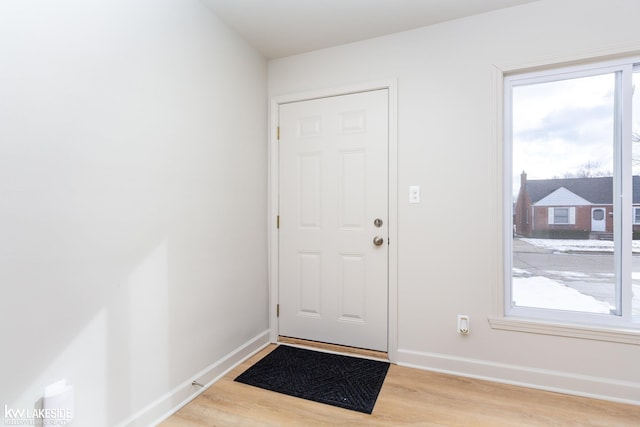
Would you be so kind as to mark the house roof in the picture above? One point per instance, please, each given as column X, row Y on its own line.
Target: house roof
column 597, row 190
column 563, row 197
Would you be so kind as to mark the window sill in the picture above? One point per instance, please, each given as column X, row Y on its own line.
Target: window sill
column 624, row 336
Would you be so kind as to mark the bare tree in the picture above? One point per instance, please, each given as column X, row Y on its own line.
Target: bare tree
column 589, row 170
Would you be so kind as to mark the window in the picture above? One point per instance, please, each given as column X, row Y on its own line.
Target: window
column 598, row 214
column 562, row 215
column 572, row 140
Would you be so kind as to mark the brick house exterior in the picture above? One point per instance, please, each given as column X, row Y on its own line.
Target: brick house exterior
column 569, row 207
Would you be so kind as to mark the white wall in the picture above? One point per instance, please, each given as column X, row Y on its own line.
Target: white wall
column 448, row 144
column 132, row 200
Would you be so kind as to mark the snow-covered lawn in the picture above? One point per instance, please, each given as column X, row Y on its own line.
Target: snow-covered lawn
column 542, row 292
column 585, row 245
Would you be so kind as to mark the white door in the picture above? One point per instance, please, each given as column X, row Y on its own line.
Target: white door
column 598, row 219
column 333, row 208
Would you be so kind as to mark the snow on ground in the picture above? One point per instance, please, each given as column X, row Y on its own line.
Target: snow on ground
column 538, row 291
column 542, row 292
column 584, row 245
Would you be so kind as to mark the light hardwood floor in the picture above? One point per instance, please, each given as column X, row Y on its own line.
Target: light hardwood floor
column 408, row 397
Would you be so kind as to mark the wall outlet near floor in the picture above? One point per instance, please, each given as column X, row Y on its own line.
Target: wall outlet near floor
column 463, row 324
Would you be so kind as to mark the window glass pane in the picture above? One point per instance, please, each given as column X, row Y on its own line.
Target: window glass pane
column 561, row 216
column 635, row 147
column 563, row 152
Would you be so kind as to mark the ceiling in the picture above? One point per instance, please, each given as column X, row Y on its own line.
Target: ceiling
column 279, row 28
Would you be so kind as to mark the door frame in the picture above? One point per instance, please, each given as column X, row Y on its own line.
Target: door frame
column 273, row 197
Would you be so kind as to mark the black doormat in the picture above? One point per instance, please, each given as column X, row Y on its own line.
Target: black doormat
column 338, row 380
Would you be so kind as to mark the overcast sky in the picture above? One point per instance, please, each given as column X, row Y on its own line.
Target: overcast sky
column 559, row 127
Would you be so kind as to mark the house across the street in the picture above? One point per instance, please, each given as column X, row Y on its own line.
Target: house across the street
column 569, row 208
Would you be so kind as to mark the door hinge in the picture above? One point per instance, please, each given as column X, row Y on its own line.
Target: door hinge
column 278, row 133
column 278, row 221
column 277, row 310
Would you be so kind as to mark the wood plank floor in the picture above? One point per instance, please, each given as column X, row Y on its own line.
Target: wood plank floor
column 408, row 397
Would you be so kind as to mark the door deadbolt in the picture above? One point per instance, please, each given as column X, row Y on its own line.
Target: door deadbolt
column 377, row 222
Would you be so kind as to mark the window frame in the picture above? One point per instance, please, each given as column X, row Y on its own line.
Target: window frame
column 622, row 318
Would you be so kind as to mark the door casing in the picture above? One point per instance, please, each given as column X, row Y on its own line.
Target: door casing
column 273, row 167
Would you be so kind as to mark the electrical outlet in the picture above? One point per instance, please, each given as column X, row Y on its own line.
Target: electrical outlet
column 463, row 324
column 414, row 194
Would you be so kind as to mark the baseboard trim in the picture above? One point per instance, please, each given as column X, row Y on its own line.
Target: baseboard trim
column 555, row 381
column 167, row 405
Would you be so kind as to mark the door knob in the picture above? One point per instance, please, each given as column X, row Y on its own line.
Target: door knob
column 378, row 240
